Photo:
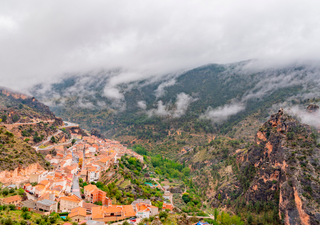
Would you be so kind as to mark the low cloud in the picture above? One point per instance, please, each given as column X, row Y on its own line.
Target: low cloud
column 142, row 105
column 179, row 109
column 299, row 112
column 112, row 93
column 182, row 104
column 272, row 78
column 161, row 88
column 222, row 113
column 312, row 119
column 161, row 110
column 148, row 37
column 85, row 104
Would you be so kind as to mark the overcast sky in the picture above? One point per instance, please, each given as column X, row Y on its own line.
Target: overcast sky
column 42, row 40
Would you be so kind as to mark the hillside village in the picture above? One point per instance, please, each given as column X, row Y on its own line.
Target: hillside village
column 68, row 167
column 58, row 189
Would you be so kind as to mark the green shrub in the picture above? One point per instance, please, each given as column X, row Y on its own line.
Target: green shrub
column 15, row 118
column 4, row 118
column 163, row 214
column 5, row 191
column 8, row 134
column 290, row 135
column 12, row 207
column 26, row 215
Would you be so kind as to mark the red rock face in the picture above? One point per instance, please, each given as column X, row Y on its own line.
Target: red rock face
column 13, row 94
column 287, row 170
column 304, row 217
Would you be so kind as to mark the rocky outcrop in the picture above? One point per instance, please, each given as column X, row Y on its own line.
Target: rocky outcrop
column 40, row 107
column 280, row 168
column 287, row 170
column 58, row 121
column 20, row 174
column 13, row 94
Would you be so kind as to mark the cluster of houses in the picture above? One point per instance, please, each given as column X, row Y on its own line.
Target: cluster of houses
column 84, row 160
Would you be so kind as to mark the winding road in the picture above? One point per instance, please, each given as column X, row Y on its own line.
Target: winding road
column 67, row 124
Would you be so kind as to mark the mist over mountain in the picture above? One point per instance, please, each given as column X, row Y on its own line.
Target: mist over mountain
column 216, row 100
column 222, row 94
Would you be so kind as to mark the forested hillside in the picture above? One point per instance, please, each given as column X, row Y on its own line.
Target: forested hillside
column 206, row 129
column 186, row 109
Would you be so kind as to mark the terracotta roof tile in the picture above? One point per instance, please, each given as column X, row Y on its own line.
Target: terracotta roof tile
column 98, row 212
column 90, row 187
column 11, row 199
column 71, row 198
column 79, row 211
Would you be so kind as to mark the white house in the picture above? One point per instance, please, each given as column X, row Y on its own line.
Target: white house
column 38, row 177
column 92, row 149
column 144, row 210
column 93, row 173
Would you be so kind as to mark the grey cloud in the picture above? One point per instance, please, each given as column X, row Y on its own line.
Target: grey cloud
column 41, row 41
column 85, row 104
column 312, row 119
column 161, row 110
column 299, row 112
column 222, row 113
column 270, row 78
column 142, row 105
column 160, row 91
column 181, row 105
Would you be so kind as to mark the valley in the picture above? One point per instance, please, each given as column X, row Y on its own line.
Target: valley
column 159, row 112
column 206, row 155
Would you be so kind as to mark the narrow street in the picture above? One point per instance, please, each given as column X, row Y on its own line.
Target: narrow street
column 30, row 196
column 76, row 187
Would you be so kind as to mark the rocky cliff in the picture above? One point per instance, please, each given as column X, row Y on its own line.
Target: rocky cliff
column 20, row 174
column 19, row 108
column 280, row 171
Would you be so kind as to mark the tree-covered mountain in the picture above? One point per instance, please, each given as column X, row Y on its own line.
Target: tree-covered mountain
column 203, row 102
column 212, row 121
